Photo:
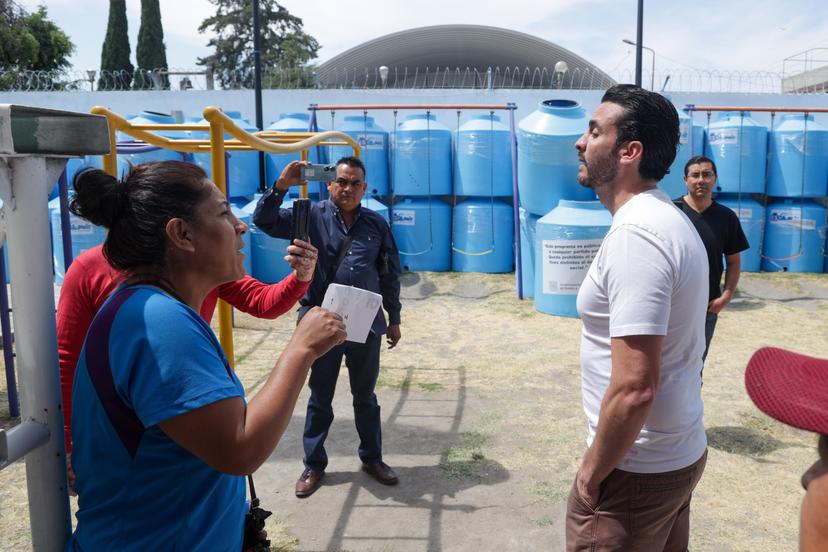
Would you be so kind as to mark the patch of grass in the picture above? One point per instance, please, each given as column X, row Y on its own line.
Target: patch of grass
column 288, row 545
column 465, row 459
column 741, row 440
column 493, row 418
column 552, row 493
column 545, row 521
column 280, row 538
column 431, row 386
column 403, row 384
column 762, row 424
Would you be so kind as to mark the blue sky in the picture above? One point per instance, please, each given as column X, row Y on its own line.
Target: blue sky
column 686, row 35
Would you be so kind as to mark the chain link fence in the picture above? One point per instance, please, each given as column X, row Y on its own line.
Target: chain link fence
column 404, row 78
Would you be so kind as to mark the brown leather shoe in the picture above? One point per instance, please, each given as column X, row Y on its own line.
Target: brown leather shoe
column 382, row 472
column 308, row 482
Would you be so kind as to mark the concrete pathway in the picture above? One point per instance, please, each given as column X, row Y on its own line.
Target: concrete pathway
column 438, row 505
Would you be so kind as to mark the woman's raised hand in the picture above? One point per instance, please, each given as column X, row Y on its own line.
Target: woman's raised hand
column 302, row 258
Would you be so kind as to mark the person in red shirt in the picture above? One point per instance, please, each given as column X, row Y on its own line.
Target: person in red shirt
column 90, row 281
column 793, row 388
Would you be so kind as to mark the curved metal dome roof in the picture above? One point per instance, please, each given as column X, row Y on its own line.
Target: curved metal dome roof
column 453, row 56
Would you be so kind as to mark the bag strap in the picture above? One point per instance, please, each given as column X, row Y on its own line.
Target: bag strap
column 343, row 250
column 126, row 423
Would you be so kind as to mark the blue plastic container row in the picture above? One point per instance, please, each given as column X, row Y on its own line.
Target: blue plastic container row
column 794, row 236
column 481, row 239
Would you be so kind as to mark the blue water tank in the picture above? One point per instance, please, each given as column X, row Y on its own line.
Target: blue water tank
column 73, row 165
column 483, row 240
column 691, row 143
column 267, row 262
column 242, row 169
column 96, row 161
column 275, row 162
column 528, row 228
column 373, row 144
column 422, row 230
column 421, row 157
column 798, row 158
column 85, row 235
column 238, row 206
column 752, row 218
column 148, row 118
column 794, row 236
column 568, row 237
column 376, row 206
column 483, row 158
column 738, row 146
column 547, row 160
column 159, row 154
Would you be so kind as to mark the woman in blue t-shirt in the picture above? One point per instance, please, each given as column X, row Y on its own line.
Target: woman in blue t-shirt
column 162, row 433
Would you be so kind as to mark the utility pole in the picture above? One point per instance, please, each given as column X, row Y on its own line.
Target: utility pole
column 639, row 40
column 257, row 75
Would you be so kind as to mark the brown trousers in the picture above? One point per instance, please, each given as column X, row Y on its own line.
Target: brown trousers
column 636, row 512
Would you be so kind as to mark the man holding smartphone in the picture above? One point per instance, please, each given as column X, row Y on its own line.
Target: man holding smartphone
column 356, row 248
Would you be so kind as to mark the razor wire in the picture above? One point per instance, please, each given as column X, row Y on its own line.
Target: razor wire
column 410, row 78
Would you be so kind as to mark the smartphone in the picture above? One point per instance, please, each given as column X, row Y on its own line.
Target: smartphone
column 317, row 172
column 300, row 220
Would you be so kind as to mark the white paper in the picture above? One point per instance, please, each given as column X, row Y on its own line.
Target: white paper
column 357, row 307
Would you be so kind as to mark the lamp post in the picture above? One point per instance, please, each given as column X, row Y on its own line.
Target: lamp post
column 383, row 72
column 90, row 73
column 652, row 71
column 560, row 69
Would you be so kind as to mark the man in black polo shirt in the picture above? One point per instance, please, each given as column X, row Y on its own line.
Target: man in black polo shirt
column 721, row 232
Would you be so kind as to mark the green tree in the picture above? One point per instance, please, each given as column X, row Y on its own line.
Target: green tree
column 151, row 54
column 30, row 42
column 116, row 68
column 284, row 45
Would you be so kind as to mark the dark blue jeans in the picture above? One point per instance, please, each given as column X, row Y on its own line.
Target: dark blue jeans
column 362, row 361
column 709, row 328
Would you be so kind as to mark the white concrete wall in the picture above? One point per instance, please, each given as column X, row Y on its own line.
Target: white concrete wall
column 192, row 102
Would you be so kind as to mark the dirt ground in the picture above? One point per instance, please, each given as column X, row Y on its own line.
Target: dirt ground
column 482, row 420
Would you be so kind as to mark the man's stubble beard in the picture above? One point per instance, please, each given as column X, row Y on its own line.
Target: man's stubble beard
column 600, row 172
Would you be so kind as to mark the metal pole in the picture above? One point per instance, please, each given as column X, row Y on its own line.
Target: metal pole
column 8, row 352
column 220, row 179
column 313, row 126
column 65, row 226
column 257, row 73
column 639, row 40
column 515, row 201
column 30, row 254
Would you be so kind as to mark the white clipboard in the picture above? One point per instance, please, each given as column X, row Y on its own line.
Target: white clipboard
column 357, row 307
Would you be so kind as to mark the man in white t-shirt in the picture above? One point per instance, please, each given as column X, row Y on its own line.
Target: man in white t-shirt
column 643, row 308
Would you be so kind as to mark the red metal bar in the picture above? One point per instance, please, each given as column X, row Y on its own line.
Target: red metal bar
column 405, row 106
column 691, row 107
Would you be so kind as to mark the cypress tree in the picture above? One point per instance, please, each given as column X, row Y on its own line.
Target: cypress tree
column 115, row 53
column 151, row 53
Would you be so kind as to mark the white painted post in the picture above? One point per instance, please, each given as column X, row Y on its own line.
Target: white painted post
column 30, row 260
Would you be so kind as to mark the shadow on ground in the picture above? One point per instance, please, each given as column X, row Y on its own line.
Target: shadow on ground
column 742, row 440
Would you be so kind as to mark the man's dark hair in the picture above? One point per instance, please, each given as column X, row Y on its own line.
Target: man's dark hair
column 352, row 162
column 648, row 118
column 699, row 159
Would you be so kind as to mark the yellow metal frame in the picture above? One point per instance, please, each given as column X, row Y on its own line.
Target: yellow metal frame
column 267, row 140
